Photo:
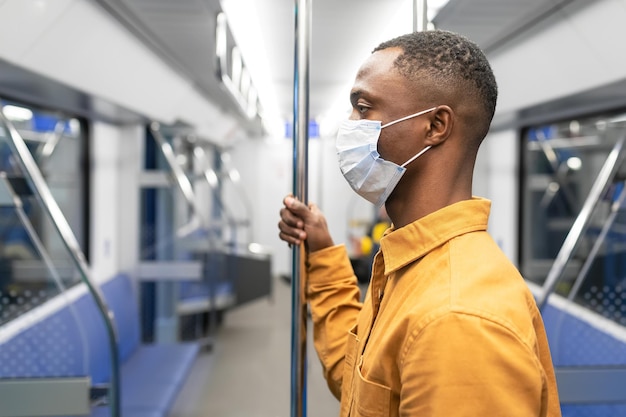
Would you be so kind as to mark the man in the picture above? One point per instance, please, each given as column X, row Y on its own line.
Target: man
column 448, row 327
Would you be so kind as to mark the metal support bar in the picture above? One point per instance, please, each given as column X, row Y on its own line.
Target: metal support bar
column 420, row 15
column 33, row 397
column 180, row 178
column 44, row 196
column 607, row 173
column 615, row 207
column 170, row 271
column 591, row 385
column 53, row 138
column 300, row 172
column 212, row 179
column 560, row 170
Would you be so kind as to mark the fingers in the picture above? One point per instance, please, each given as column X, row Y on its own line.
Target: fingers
column 290, row 219
column 296, row 217
column 291, row 228
column 291, row 224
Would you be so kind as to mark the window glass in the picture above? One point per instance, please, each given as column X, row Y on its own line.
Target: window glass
column 560, row 166
column 35, row 262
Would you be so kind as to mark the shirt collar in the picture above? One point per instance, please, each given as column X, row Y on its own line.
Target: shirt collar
column 411, row 242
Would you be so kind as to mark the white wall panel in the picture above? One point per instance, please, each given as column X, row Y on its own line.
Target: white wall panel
column 104, row 181
column 88, row 50
column 266, row 176
column 23, row 23
column 115, row 165
column 210, row 122
column 77, row 43
column 496, row 178
column 130, row 159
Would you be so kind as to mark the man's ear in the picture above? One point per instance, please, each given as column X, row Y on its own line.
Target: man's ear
column 441, row 123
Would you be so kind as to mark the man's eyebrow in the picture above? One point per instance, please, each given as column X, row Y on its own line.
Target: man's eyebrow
column 355, row 95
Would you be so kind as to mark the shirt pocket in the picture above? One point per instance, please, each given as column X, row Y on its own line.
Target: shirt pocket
column 370, row 398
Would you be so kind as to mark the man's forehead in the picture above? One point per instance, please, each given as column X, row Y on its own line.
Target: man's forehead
column 376, row 73
column 379, row 62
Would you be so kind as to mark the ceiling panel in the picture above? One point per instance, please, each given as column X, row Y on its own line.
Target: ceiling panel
column 490, row 23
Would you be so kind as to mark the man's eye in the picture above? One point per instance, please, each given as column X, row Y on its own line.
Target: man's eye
column 361, row 109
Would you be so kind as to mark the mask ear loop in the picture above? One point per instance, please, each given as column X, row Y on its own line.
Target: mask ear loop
column 416, row 156
column 408, row 117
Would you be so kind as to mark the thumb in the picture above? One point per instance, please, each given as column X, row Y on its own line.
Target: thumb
column 297, row 207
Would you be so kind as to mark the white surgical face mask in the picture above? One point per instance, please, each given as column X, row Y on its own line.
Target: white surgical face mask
column 372, row 177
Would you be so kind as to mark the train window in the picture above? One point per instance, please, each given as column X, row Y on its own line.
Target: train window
column 169, row 217
column 162, row 206
column 561, row 164
column 34, row 262
column 166, row 221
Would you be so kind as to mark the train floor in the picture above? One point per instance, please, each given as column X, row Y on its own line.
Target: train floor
column 247, row 371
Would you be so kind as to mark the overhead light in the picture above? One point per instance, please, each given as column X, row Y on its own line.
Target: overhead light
column 16, row 113
column 258, row 249
column 234, row 176
column 211, row 178
column 232, row 71
column 244, row 24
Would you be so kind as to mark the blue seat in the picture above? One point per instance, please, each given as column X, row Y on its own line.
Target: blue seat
column 575, row 342
column 73, row 342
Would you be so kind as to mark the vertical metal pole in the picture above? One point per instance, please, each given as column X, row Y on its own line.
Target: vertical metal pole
column 420, row 15
column 300, row 171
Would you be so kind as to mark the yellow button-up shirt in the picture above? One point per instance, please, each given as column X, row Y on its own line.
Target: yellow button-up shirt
column 448, row 327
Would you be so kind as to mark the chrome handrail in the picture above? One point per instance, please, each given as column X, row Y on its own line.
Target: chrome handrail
column 600, row 185
column 208, row 175
column 182, row 181
column 46, row 149
column 41, row 191
column 300, row 184
column 212, row 179
column 615, row 207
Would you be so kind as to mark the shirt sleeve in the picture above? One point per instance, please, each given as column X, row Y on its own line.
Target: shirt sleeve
column 465, row 365
column 333, row 295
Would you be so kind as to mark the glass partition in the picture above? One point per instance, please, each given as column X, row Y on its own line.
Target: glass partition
column 56, row 144
column 185, row 219
column 51, row 330
column 560, row 164
column 573, row 242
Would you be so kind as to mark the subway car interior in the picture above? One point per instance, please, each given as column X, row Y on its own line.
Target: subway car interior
column 146, row 147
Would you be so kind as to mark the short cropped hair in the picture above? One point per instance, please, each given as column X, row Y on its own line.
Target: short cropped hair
column 447, row 58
